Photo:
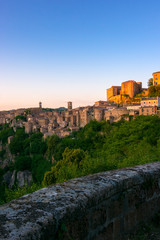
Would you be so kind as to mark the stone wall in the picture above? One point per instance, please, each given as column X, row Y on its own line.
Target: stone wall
column 101, row 206
column 131, row 88
column 113, row 91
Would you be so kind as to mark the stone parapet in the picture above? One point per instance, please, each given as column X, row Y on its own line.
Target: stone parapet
column 106, row 205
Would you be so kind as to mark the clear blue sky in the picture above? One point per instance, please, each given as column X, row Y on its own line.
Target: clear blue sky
column 56, row 51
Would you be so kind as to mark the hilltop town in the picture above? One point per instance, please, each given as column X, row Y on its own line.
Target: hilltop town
column 123, row 102
column 45, row 146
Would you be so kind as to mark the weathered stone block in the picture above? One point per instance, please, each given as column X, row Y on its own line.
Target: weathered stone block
column 101, row 206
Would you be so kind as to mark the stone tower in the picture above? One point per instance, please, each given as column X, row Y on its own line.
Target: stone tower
column 156, row 78
column 69, row 106
column 40, row 105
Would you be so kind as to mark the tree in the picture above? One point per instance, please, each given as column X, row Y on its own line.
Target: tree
column 52, row 143
column 23, row 163
column 39, row 166
column 5, row 133
column 154, row 91
column 67, row 168
column 150, row 82
column 20, row 117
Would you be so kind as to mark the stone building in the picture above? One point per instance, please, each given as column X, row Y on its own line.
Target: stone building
column 116, row 114
column 69, row 106
column 98, row 114
column 152, row 101
column 43, row 121
column 128, row 89
column 131, row 88
column 149, row 106
column 104, row 104
column 148, row 110
column 2, row 120
column 113, row 91
column 156, row 78
column 36, row 110
column 28, row 127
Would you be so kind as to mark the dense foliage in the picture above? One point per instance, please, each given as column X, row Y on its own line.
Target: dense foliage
column 20, row 117
column 154, row 91
column 99, row 146
column 106, row 147
column 5, row 132
column 29, row 154
column 150, row 82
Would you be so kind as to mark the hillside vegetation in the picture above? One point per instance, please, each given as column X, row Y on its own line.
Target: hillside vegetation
column 99, row 146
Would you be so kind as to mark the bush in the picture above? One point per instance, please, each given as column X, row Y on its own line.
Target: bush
column 10, row 194
column 49, row 178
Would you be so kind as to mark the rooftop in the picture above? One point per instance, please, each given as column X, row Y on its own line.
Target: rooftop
column 156, row 72
column 151, row 98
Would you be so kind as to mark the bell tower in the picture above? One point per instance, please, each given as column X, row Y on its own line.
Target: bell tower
column 69, row 106
column 40, row 106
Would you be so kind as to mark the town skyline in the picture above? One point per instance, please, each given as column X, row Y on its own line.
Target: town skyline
column 57, row 52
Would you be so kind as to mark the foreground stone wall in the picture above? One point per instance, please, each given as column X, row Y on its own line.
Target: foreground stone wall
column 101, row 206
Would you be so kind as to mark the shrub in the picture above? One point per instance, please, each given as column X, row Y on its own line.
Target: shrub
column 49, row 178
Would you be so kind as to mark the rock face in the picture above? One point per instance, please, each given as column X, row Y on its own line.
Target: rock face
column 12, row 180
column 7, row 177
column 7, row 159
column 106, row 205
column 24, row 178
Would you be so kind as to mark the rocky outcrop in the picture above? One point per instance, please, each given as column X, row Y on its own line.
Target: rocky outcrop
column 21, row 179
column 106, row 205
column 7, row 178
column 24, row 178
column 13, row 179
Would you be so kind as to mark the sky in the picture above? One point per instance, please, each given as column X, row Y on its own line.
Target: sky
column 55, row 51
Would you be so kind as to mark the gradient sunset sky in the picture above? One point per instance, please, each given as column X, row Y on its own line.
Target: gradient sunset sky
column 56, row 51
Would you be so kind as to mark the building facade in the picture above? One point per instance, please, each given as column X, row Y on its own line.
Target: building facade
column 127, row 89
column 150, row 102
column 156, row 78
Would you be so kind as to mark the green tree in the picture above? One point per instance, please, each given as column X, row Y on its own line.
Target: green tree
column 17, row 144
column 5, row 133
column 150, row 82
column 154, row 91
column 65, row 169
column 20, row 117
column 22, row 163
column 39, row 166
column 52, row 143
